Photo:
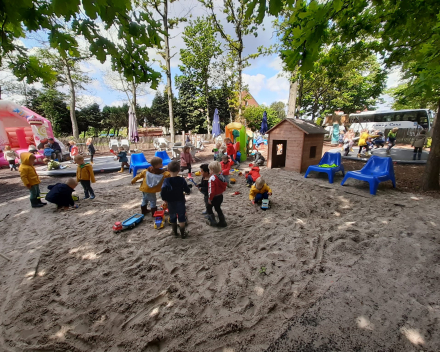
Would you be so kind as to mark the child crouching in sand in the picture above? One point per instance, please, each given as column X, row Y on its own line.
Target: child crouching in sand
column 252, row 176
column 259, row 191
column 153, row 178
column 216, row 186
column 172, row 192
column 61, row 194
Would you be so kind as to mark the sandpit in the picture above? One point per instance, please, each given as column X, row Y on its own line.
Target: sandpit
column 327, row 268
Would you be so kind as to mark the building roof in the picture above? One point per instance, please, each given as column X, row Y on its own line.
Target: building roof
column 307, row 127
column 248, row 102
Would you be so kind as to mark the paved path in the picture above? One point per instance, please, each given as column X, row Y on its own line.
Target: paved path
column 399, row 155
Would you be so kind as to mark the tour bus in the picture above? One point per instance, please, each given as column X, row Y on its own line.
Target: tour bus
column 386, row 120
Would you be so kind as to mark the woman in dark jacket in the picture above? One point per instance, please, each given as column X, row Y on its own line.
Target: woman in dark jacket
column 91, row 149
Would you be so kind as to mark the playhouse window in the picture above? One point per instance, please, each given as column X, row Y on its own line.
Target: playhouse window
column 280, row 149
column 312, row 152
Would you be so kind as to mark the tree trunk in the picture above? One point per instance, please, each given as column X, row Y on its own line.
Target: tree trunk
column 168, row 68
column 208, row 123
column 299, row 102
column 432, row 169
column 133, row 93
column 293, row 91
column 240, row 86
column 75, row 131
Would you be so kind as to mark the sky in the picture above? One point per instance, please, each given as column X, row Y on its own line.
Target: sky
column 264, row 77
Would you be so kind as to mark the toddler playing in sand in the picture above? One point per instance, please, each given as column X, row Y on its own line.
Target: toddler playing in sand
column 152, row 180
column 61, row 194
column 30, row 178
column 172, row 192
column 230, row 151
column 10, row 156
column 259, row 191
column 122, row 156
column 252, row 175
column 226, row 165
column 203, row 185
column 85, row 176
column 186, row 159
column 216, row 186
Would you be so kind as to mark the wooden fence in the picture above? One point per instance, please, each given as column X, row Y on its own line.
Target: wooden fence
column 101, row 144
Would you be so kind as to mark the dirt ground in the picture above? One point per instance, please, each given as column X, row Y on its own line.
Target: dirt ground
column 327, row 268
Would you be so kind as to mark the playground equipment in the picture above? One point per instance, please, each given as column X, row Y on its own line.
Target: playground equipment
column 20, row 128
column 137, row 162
column 377, row 169
column 129, row 223
column 164, row 156
column 241, row 140
column 326, row 165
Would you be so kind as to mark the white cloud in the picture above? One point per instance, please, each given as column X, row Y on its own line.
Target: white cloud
column 276, row 64
column 394, row 78
column 278, row 84
column 86, row 100
column 119, row 102
column 255, row 83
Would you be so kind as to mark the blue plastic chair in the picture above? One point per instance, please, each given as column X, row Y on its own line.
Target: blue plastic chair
column 138, row 162
column 164, row 156
column 377, row 169
column 329, row 159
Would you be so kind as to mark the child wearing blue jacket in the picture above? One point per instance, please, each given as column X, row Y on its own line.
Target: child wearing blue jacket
column 172, row 192
column 61, row 194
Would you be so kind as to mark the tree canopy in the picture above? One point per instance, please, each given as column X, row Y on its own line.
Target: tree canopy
column 137, row 31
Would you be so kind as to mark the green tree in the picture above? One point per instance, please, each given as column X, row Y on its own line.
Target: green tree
column 114, row 117
column 280, row 108
column 351, row 85
column 254, row 117
column 51, row 104
column 68, row 73
column 201, row 48
column 405, row 98
column 406, row 33
column 89, row 117
column 161, row 8
column 137, row 32
column 243, row 26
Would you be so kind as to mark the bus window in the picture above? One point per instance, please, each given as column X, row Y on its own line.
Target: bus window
column 379, row 118
column 388, row 118
column 422, row 119
column 410, row 116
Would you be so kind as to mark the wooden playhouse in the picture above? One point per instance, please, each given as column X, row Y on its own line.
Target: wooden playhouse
column 295, row 145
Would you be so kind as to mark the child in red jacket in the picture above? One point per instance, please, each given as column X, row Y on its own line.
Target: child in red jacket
column 216, row 187
column 252, row 176
column 226, row 165
column 230, row 150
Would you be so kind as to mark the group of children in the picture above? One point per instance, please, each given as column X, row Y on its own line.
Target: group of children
column 367, row 140
column 59, row 194
column 172, row 187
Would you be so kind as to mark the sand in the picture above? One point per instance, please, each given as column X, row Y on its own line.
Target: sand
column 327, row 268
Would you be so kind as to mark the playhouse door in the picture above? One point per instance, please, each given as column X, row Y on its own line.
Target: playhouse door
column 279, row 153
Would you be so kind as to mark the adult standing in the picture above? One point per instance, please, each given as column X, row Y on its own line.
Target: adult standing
column 57, row 155
column 418, row 144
